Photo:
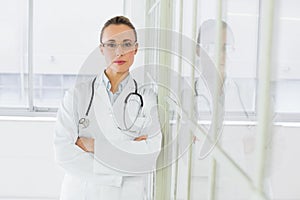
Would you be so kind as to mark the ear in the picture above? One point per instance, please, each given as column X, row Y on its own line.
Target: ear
column 136, row 48
column 198, row 50
column 101, row 49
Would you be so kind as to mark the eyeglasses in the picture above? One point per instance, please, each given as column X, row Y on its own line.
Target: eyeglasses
column 126, row 46
column 226, row 48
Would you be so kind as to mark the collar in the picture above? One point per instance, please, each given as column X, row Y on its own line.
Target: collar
column 103, row 79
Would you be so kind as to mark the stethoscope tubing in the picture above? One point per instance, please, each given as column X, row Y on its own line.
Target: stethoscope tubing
column 84, row 120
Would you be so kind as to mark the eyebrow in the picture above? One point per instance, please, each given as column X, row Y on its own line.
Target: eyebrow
column 125, row 40
column 112, row 40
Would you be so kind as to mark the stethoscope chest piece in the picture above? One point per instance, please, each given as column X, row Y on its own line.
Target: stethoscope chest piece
column 84, row 122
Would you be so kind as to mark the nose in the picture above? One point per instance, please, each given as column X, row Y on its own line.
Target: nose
column 119, row 51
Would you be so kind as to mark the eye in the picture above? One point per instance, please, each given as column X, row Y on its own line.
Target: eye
column 127, row 44
column 111, row 45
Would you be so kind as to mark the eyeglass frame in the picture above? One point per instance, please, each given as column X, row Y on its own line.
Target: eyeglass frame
column 117, row 45
column 225, row 47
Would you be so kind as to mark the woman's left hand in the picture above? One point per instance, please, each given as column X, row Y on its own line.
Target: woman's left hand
column 140, row 138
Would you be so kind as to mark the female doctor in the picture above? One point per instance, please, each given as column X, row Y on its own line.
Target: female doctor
column 93, row 142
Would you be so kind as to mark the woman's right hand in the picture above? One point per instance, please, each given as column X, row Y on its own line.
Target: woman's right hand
column 86, row 144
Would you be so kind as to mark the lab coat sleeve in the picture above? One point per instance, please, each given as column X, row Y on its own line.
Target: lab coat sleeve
column 72, row 158
column 117, row 153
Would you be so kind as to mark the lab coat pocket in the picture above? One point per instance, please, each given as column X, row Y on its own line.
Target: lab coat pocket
column 133, row 188
column 73, row 188
column 99, row 192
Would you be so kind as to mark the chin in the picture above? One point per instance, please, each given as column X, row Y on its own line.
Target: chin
column 121, row 70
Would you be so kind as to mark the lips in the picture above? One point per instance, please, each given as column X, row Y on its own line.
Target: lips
column 119, row 62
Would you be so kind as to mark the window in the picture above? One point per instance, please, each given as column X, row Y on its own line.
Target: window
column 12, row 54
column 61, row 43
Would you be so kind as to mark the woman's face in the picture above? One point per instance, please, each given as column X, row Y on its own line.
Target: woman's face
column 210, row 49
column 118, row 47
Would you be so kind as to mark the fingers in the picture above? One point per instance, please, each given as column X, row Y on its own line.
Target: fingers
column 86, row 144
column 80, row 144
column 140, row 138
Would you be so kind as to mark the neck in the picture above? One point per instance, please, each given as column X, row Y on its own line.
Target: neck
column 115, row 78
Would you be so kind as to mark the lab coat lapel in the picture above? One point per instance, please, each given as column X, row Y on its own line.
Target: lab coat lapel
column 118, row 106
column 102, row 95
column 104, row 113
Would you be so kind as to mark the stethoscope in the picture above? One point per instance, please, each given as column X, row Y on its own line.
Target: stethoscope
column 84, row 121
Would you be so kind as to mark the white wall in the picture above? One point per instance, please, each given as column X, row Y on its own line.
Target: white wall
column 27, row 168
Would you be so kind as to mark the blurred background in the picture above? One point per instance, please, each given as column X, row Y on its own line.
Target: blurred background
column 44, row 45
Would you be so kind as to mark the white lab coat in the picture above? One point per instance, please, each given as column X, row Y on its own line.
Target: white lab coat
column 88, row 177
